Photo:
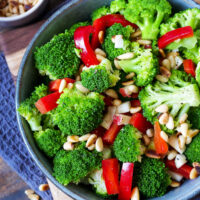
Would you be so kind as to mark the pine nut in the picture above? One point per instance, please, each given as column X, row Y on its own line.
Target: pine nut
column 100, row 52
column 170, row 123
column 116, row 64
column 183, row 118
column 131, row 89
column 63, row 84
column 136, row 34
column 193, row 174
column 144, row 42
column 91, row 140
column 175, row 184
column 91, row 147
column 164, row 136
column 171, row 155
column 126, row 56
column 119, row 42
column 152, row 154
column 181, row 141
column 73, row 138
column 183, row 129
column 165, row 72
column 150, row 132
column 128, row 83
column 161, row 78
column 100, row 58
column 193, row 133
column 84, row 137
column 163, row 108
column 146, row 140
column 135, row 109
column 172, row 61
column 78, row 78
column 162, row 53
column 68, row 146
column 112, row 93
column 163, row 119
column 81, row 88
column 70, row 86
column 33, row 197
column 166, row 63
column 179, row 61
column 173, row 141
column 131, row 75
column 188, row 140
column 175, row 176
column 180, row 160
column 117, row 102
column 101, row 36
column 29, row 191
column 135, row 195
column 43, row 187
column 196, row 165
column 99, row 144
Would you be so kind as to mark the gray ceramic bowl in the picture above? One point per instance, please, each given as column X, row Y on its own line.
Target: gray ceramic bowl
column 28, row 77
column 24, row 18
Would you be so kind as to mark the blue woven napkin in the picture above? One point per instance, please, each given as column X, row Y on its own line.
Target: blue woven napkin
column 12, row 147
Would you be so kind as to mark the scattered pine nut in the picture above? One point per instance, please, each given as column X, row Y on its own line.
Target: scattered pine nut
column 164, row 136
column 174, row 184
column 146, row 140
column 193, row 173
column 196, row 165
column 165, row 72
column 193, row 132
column 172, row 61
column 91, row 147
column 99, row 144
column 179, row 61
column 131, row 75
column 100, row 58
column 135, row 109
column 152, row 154
column 91, row 140
column 101, row 36
column 78, row 78
column 163, row 119
column 166, row 63
column 81, row 88
column 131, row 89
column 84, row 137
column 183, row 118
column 70, row 85
column 29, row 191
column 180, row 160
column 68, row 146
column 188, row 140
column 162, row 78
column 183, row 129
column 150, row 132
column 112, row 93
column 144, row 42
column 33, row 197
column 73, row 138
column 63, row 84
column 128, row 83
column 171, row 155
column 126, row 56
column 136, row 34
column 162, row 53
column 100, row 52
column 116, row 102
column 135, row 195
column 170, row 123
column 116, row 64
column 44, row 187
column 162, row 108
column 181, row 141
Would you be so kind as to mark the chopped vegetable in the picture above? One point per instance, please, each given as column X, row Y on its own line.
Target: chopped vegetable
column 54, row 85
column 189, row 67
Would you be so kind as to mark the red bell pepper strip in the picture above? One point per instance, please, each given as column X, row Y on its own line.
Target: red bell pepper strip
column 111, row 175
column 126, row 179
column 140, row 122
column 111, row 133
column 189, row 67
column 47, row 103
column 104, row 22
column 160, row 144
column 82, row 41
column 54, row 85
column 185, row 170
column 171, row 36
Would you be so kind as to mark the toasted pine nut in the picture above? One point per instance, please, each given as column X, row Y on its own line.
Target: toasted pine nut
column 193, row 174
column 128, row 83
column 43, row 187
column 164, row 136
column 193, row 132
column 152, row 154
column 163, row 108
column 81, row 88
column 146, row 140
column 171, row 155
column 183, row 118
column 63, row 84
column 180, row 160
column 170, row 123
column 100, row 57
column 117, row 102
column 33, row 197
column 196, row 165
column 126, row 56
column 166, row 63
column 29, row 191
column 161, row 78
column 101, row 36
column 116, row 64
column 183, row 129
column 162, row 53
column 150, row 132
column 135, row 109
column 181, row 141
column 91, row 140
column 172, row 61
column 84, row 137
column 112, row 93
column 135, row 195
column 163, row 119
column 78, row 78
column 100, row 52
column 131, row 75
column 165, row 72
column 144, row 42
column 99, row 144
column 188, row 140
column 70, row 85
column 91, row 147
column 175, row 184
column 132, row 89
column 73, row 138
column 68, row 146
column 136, row 34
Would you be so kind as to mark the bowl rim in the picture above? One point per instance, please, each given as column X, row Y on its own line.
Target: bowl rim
column 24, row 15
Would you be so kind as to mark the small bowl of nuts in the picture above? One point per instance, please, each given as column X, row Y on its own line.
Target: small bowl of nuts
column 19, row 12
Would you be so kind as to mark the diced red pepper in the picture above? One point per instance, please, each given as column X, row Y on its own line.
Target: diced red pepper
column 47, row 103
column 184, row 170
column 82, row 41
column 99, row 131
column 171, row 36
column 124, row 93
column 140, row 122
column 111, row 133
column 111, row 175
column 135, row 95
column 135, row 103
column 160, row 144
column 189, row 67
column 102, row 23
column 54, row 85
column 126, row 179
column 108, row 101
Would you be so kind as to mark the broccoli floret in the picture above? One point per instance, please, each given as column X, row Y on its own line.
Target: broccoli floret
column 193, row 150
column 100, row 12
column 144, row 64
column 151, row 177
column 100, row 77
column 148, row 15
column 127, row 146
column 189, row 17
column 75, row 26
column 57, row 58
column 47, row 120
column 194, row 117
column 117, row 6
column 179, row 93
column 71, row 166
column 78, row 114
column 49, row 141
column 28, row 110
column 109, row 46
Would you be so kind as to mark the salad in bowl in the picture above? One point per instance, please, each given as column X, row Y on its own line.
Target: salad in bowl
column 120, row 103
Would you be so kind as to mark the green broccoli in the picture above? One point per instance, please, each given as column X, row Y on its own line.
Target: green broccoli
column 197, row 71
column 193, row 150
column 151, row 177
column 117, row 6
column 71, row 166
column 109, row 46
column 144, row 64
column 100, row 12
column 49, row 141
column 78, row 114
column 47, row 120
column 179, row 93
column 57, row 58
column 28, row 110
column 194, row 117
column 148, row 15
column 127, row 146
column 75, row 26
column 100, row 77
column 189, row 17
